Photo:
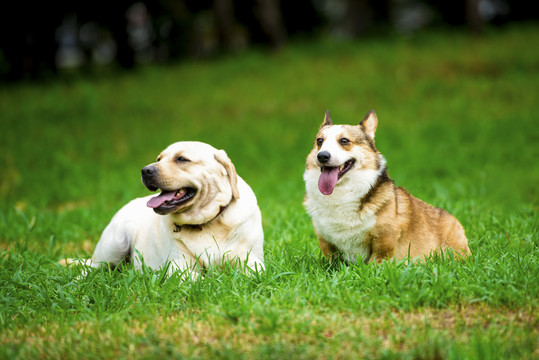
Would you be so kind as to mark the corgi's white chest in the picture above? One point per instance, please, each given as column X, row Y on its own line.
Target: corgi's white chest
column 347, row 231
column 338, row 220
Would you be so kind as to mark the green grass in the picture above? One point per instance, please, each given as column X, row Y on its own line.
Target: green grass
column 457, row 124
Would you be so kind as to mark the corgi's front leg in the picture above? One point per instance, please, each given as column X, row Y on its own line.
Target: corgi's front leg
column 328, row 249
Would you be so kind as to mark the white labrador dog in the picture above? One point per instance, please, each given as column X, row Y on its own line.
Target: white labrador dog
column 205, row 215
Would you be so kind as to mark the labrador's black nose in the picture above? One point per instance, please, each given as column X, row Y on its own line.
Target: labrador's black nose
column 149, row 171
column 149, row 177
column 323, row 157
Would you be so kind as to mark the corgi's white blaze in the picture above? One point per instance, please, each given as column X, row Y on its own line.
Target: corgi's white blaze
column 331, row 145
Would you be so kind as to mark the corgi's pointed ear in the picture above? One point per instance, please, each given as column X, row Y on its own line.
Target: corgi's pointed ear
column 369, row 123
column 327, row 120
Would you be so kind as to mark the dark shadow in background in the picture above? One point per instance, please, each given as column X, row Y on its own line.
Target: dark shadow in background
column 38, row 38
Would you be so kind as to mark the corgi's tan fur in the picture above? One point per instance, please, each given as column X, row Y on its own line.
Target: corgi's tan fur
column 356, row 209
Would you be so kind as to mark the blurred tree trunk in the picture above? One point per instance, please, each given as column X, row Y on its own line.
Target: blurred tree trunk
column 116, row 19
column 459, row 13
column 269, row 15
column 473, row 19
column 361, row 14
column 224, row 18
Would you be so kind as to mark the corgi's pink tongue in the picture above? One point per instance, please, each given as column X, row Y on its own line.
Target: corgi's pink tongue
column 328, row 179
column 158, row 200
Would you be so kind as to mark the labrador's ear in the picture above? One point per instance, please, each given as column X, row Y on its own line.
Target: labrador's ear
column 223, row 159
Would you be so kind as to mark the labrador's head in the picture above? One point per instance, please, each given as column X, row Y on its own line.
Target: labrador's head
column 196, row 181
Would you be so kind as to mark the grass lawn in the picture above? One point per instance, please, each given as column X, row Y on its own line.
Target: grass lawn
column 457, row 124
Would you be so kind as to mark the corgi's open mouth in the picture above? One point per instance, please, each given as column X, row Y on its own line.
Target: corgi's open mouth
column 330, row 175
column 343, row 169
column 169, row 201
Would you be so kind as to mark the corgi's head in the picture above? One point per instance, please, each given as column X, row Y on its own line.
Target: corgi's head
column 344, row 153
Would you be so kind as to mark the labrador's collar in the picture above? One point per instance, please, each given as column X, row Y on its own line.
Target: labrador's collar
column 177, row 228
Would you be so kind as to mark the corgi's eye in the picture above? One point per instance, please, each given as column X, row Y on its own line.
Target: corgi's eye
column 319, row 141
column 182, row 159
column 344, row 141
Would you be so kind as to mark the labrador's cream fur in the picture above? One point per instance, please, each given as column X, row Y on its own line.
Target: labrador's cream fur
column 221, row 222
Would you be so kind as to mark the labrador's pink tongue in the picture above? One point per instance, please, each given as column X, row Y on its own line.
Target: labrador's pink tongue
column 158, row 200
column 328, row 179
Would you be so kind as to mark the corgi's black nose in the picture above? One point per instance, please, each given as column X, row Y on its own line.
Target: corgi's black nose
column 323, row 157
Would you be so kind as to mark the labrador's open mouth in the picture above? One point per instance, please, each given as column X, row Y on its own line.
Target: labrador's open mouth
column 169, row 201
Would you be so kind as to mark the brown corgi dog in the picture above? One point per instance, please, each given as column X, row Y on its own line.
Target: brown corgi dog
column 358, row 212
